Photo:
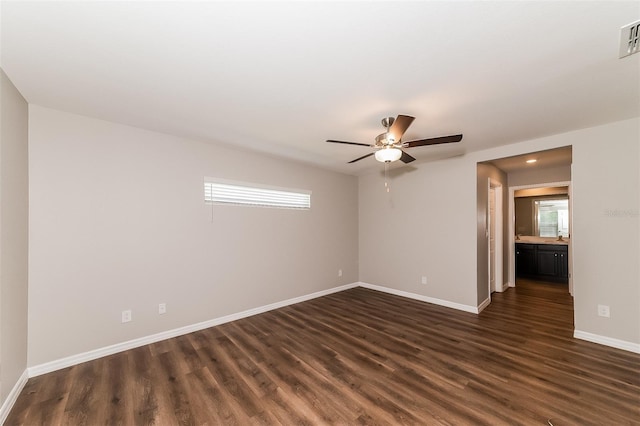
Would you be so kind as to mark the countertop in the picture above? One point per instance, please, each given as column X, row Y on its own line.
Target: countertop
column 527, row 239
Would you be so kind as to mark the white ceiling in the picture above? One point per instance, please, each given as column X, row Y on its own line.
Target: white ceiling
column 281, row 77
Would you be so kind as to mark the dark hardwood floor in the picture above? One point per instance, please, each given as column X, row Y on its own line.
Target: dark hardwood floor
column 357, row 357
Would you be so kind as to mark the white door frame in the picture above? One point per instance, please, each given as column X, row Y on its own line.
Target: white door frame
column 512, row 227
column 498, row 238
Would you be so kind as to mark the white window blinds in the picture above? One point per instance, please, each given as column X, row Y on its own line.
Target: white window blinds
column 223, row 192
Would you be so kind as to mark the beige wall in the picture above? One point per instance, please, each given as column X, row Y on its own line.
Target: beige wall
column 118, row 222
column 432, row 216
column 605, row 230
column 535, row 176
column 14, row 190
column 421, row 228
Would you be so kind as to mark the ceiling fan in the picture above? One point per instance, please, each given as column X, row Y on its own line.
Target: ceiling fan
column 389, row 146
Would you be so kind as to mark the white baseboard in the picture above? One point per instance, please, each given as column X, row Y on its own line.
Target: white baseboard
column 69, row 361
column 504, row 287
column 7, row 405
column 484, row 304
column 607, row 341
column 422, row 298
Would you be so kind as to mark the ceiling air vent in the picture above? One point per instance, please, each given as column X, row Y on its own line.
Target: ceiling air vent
column 630, row 39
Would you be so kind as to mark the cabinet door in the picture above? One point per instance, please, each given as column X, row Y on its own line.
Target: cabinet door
column 525, row 260
column 563, row 264
column 547, row 263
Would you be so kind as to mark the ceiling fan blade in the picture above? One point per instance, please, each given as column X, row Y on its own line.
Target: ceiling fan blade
column 432, row 141
column 349, row 143
column 400, row 125
column 406, row 158
column 361, row 158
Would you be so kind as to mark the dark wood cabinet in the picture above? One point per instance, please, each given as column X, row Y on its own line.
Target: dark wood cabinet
column 525, row 260
column 547, row 262
column 563, row 265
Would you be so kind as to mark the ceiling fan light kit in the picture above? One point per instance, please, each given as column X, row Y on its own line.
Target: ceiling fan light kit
column 388, row 154
column 388, row 146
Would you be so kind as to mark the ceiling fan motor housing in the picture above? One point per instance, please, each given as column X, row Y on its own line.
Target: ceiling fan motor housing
column 388, row 122
column 384, row 139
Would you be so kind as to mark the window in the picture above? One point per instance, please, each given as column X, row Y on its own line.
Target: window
column 217, row 191
column 552, row 218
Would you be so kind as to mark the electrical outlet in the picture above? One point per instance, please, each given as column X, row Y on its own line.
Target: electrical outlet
column 162, row 308
column 603, row 311
column 424, row 280
column 126, row 315
column 339, row 272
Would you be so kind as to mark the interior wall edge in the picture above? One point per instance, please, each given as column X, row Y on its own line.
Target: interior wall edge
column 14, row 231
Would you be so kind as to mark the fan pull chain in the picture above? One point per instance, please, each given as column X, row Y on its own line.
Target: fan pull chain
column 386, row 180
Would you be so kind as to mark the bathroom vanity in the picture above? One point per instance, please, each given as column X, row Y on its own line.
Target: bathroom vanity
column 543, row 260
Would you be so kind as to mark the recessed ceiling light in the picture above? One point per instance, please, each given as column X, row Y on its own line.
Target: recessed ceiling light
column 533, row 160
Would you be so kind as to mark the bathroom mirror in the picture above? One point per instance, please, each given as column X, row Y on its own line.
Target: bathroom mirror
column 551, row 217
column 542, row 215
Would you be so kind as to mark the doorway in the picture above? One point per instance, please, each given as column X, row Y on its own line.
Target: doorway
column 495, row 183
column 513, row 232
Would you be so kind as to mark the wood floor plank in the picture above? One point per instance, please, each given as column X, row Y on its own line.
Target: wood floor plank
column 357, row 357
column 216, row 406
